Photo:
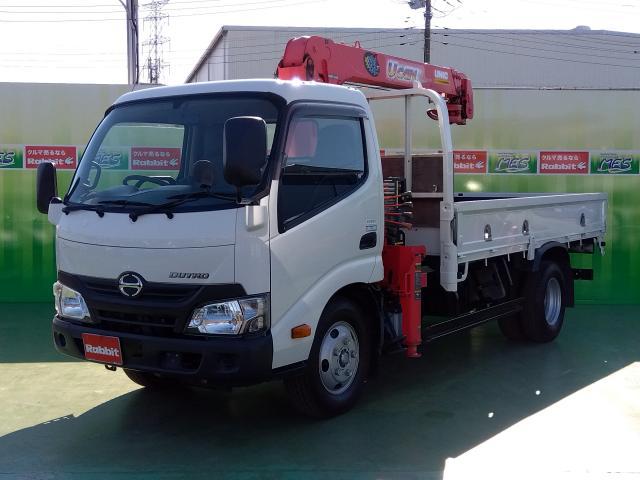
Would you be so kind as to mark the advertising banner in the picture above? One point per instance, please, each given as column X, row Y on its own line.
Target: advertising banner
column 155, row 158
column 470, row 161
column 11, row 156
column 63, row 157
column 615, row 163
column 512, row 125
column 564, row 163
column 513, row 161
column 113, row 158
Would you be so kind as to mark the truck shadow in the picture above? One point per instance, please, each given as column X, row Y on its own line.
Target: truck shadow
column 414, row 414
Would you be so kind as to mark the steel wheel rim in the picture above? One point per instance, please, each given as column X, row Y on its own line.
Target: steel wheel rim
column 339, row 358
column 552, row 301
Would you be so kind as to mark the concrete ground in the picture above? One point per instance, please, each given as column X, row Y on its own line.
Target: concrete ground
column 474, row 406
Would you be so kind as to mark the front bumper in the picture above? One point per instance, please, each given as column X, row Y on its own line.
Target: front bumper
column 200, row 361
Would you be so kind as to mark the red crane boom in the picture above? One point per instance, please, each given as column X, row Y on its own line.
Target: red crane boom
column 323, row 60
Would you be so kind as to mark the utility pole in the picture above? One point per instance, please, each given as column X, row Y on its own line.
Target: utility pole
column 427, row 31
column 157, row 18
column 426, row 4
column 133, row 60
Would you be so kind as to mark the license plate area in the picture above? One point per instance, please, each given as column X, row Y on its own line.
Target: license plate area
column 102, row 348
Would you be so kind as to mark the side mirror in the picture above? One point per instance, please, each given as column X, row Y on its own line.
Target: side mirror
column 46, row 186
column 244, row 152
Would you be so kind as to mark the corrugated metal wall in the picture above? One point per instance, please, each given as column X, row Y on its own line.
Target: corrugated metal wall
column 491, row 58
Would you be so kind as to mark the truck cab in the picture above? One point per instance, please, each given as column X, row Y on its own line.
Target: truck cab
column 231, row 216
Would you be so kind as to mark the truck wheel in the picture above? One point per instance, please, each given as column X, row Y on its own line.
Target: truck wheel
column 338, row 363
column 543, row 315
column 148, row 380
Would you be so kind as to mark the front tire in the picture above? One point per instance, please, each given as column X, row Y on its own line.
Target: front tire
column 338, row 363
column 543, row 315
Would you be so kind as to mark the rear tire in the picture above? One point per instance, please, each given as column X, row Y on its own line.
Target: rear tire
column 338, row 363
column 546, row 294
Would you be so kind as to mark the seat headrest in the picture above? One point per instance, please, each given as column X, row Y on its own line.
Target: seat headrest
column 202, row 173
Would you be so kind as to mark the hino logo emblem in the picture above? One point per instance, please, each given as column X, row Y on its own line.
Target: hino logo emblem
column 130, row 284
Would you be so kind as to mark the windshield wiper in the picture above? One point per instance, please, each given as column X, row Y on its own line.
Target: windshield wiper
column 99, row 208
column 201, row 194
column 167, row 207
column 71, row 207
column 124, row 203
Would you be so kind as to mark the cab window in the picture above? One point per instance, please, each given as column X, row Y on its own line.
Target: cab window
column 324, row 162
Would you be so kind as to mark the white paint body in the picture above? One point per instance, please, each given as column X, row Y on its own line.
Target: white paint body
column 304, row 266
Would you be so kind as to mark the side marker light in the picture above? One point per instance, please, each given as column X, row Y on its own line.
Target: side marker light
column 301, row 331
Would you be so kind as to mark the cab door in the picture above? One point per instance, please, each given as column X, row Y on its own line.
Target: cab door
column 328, row 219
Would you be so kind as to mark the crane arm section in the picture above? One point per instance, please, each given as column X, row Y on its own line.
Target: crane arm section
column 323, row 60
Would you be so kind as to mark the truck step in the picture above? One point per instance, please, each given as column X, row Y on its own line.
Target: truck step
column 471, row 319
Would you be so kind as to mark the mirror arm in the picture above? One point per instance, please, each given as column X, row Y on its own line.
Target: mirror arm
column 240, row 200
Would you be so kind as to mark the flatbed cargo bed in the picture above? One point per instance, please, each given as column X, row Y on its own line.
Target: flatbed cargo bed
column 466, row 227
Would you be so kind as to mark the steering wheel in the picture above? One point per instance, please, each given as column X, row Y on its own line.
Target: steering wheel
column 162, row 181
column 92, row 185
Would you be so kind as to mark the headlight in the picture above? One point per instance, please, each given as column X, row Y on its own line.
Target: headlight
column 70, row 303
column 244, row 315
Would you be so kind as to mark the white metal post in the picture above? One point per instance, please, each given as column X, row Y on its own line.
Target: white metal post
column 448, row 249
column 408, row 132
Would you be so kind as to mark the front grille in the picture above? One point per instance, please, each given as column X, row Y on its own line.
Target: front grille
column 138, row 323
column 166, row 293
column 137, row 329
column 138, row 318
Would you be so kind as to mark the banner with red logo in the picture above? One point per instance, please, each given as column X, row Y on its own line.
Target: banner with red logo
column 564, row 163
column 470, row 161
column 64, row 158
column 155, row 158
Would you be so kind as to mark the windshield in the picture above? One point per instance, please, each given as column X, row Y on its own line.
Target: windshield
column 159, row 152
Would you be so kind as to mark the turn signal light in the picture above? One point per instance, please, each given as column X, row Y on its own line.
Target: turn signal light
column 301, row 331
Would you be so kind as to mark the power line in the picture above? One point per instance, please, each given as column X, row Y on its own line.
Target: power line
column 339, row 37
column 586, row 42
column 105, row 5
column 538, row 56
column 408, row 36
column 540, row 49
column 470, row 47
column 604, row 41
column 572, row 33
column 590, row 47
column 169, row 8
column 397, row 34
column 593, row 9
column 72, row 20
column 410, row 40
column 412, row 36
column 418, row 41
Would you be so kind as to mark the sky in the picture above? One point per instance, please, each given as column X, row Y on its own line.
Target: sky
column 84, row 41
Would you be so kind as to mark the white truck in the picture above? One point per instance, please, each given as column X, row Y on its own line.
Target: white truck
column 233, row 232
